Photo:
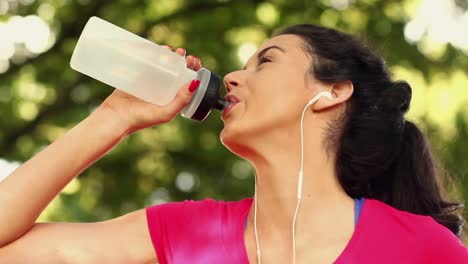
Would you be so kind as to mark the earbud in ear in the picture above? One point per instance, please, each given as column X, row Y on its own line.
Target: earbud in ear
column 321, row 94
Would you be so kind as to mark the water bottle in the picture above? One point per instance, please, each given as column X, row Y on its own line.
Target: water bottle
column 142, row 68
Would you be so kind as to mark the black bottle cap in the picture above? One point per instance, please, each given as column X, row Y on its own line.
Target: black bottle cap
column 209, row 95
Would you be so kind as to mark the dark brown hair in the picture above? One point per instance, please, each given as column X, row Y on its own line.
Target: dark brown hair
column 379, row 154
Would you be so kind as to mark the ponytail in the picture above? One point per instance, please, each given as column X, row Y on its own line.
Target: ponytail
column 416, row 187
column 379, row 154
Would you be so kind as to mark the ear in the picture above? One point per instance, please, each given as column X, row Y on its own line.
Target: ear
column 341, row 92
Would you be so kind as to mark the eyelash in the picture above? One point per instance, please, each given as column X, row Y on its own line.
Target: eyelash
column 260, row 61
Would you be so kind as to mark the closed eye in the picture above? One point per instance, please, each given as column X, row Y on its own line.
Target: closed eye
column 264, row 59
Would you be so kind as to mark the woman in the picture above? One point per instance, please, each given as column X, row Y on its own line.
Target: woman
column 369, row 192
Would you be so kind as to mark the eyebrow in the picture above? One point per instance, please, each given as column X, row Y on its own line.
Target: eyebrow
column 262, row 52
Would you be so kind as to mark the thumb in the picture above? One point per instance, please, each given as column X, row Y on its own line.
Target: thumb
column 183, row 96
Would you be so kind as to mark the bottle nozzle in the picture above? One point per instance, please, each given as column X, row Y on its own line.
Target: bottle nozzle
column 206, row 97
column 221, row 104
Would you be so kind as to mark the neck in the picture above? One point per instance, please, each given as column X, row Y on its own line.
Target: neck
column 277, row 168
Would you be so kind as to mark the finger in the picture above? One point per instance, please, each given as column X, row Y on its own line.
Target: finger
column 197, row 63
column 181, row 51
column 183, row 97
column 190, row 62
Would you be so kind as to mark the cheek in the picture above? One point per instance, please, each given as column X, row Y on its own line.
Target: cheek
column 277, row 107
column 274, row 94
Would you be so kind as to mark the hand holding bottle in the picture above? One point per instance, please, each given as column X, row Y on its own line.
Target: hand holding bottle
column 145, row 70
column 136, row 114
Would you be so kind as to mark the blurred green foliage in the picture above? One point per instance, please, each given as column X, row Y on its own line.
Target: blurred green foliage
column 41, row 97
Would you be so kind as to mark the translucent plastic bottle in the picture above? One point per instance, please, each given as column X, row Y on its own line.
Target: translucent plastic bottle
column 142, row 68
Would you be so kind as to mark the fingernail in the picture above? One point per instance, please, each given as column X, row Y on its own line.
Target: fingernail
column 185, row 52
column 193, row 85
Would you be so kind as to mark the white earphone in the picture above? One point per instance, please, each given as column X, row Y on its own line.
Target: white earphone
column 320, row 94
column 299, row 183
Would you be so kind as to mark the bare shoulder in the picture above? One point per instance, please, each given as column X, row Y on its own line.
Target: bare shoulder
column 120, row 240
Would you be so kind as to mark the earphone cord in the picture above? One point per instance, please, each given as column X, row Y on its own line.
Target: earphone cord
column 299, row 184
column 299, row 188
column 255, row 221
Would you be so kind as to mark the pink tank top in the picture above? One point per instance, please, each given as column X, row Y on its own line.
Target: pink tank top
column 210, row 231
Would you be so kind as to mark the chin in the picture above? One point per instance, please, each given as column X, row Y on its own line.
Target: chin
column 238, row 148
column 226, row 135
column 230, row 135
column 236, row 140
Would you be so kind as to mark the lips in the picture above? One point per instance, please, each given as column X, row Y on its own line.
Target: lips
column 228, row 109
column 231, row 98
column 231, row 105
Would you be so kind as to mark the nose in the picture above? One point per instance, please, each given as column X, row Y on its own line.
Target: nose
column 230, row 81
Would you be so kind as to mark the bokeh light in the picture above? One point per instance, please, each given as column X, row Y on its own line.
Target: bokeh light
column 185, row 181
column 442, row 21
column 23, row 37
column 160, row 195
column 267, row 13
column 42, row 98
column 245, row 51
column 241, row 169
